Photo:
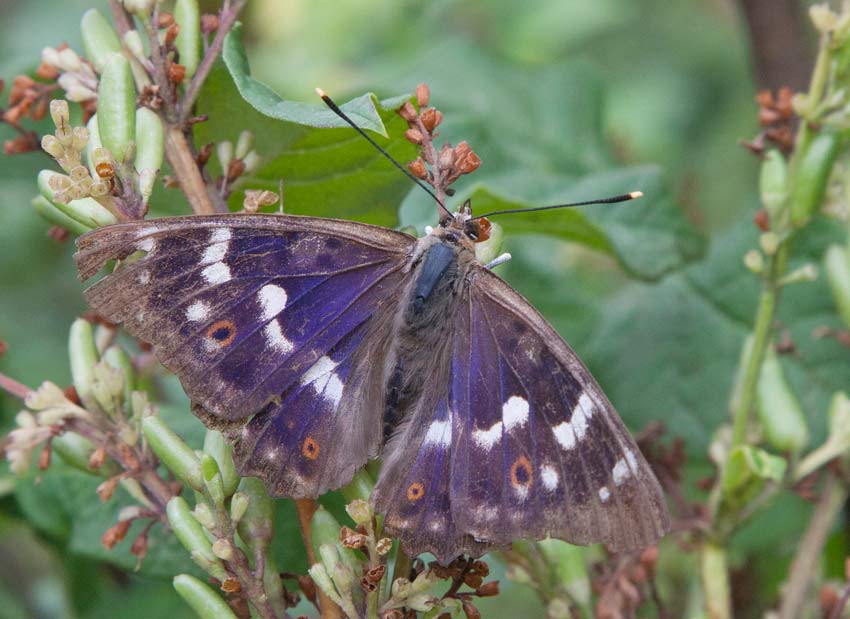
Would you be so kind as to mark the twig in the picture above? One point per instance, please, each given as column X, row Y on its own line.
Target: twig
column 14, row 388
column 838, row 609
column 306, row 508
column 804, row 566
column 227, row 17
column 123, row 21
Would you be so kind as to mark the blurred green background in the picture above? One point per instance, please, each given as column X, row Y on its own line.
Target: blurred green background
column 551, row 94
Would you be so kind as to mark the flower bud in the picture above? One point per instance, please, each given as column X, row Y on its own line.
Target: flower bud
column 256, row 527
column 47, row 210
column 417, row 168
column 99, row 38
column 206, row 603
column 52, row 146
column 413, row 136
column 244, row 144
column 216, row 446
column 116, row 107
column 324, row 530
column 779, row 411
column 192, row 536
column 407, row 111
column 811, row 175
column 83, row 355
column 204, row 515
column 837, row 267
column 60, row 113
column 773, row 184
column 224, row 150
column 150, row 148
column 188, row 41
column 223, row 549
column 754, row 261
column 359, row 511
column 238, row 506
column 769, row 242
column 174, row 453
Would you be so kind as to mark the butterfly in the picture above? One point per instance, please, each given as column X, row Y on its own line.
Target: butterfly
column 318, row 344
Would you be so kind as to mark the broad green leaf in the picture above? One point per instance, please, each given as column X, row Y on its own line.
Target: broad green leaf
column 326, row 172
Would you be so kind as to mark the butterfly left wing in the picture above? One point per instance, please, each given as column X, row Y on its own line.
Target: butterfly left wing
column 263, row 316
column 523, row 444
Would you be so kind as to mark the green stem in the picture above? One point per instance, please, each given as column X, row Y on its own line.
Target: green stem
column 761, row 339
column 714, row 573
column 403, row 563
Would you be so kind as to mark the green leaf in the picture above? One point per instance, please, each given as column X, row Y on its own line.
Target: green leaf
column 326, row 172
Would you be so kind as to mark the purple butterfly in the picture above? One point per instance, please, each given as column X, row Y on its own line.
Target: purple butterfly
column 319, row 344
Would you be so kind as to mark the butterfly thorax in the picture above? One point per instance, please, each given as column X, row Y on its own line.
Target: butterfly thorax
column 423, row 326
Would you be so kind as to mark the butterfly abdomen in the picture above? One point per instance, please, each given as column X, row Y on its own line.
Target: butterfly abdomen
column 426, row 313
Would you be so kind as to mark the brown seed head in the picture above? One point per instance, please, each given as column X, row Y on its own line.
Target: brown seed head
column 171, row 34
column 176, row 72
column 488, row 589
column 431, row 117
column 468, row 164
column 115, row 534
column 423, row 95
column 235, row 170
column 446, row 157
column 413, row 136
column 231, row 585
column 106, row 489
column 407, row 111
column 473, row 580
column 209, row 23
column 367, row 585
column 204, row 154
column 417, row 168
column 375, row 574
column 97, row 458
column 470, row 610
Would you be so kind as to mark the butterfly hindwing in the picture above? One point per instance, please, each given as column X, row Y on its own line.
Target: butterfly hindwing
column 267, row 315
column 559, row 460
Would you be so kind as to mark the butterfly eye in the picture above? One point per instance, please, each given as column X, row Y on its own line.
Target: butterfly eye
column 471, row 234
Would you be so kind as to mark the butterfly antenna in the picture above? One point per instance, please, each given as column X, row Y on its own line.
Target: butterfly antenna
column 621, row 198
column 335, row 109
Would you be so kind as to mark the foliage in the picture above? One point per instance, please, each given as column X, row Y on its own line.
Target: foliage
column 686, row 311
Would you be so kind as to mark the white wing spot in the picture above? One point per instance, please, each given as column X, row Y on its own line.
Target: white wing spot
column 564, row 435
column 439, row 433
column 216, row 273
column 514, row 412
column 549, row 476
column 631, row 461
column 273, row 299
column 581, row 414
column 487, row 438
column 214, row 253
column 276, row 338
column 604, row 493
column 199, row 310
column 220, row 235
column 521, row 492
column 621, row 471
column 324, row 380
column 146, row 244
column 144, row 278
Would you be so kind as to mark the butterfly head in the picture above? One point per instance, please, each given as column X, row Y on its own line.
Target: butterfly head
column 464, row 225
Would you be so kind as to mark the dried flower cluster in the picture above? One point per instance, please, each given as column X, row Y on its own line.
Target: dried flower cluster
column 777, row 118
column 437, row 168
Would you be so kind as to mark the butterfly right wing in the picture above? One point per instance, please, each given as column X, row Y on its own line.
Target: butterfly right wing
column 264, row 316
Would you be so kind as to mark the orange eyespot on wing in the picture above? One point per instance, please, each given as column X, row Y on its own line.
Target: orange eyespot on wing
column 310, row 448
column 415, row 491
column 521, row 474
column 221, row 333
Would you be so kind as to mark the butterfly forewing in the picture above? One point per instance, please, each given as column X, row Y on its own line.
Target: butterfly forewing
column 263, row 314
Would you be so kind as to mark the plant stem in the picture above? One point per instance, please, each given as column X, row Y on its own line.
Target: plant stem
column 714, row 573
column 13, row 387
column 761, row 339
column 402, row 566
column 181, row 160
column 306, row 508
column 804, row 566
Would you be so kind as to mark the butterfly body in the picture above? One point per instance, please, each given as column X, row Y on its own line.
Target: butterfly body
column 317, row 344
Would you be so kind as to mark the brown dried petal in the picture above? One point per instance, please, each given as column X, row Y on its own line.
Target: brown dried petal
column 423, row 95
column 417, row 168
column 376, row 573
column 106, row 489
column 231, row 585
column 469, row 163
column 115, row 534
column 44, row 457
column 367, row 585
column 171, row 34
column 470, row 610
column 46, row 72
column 472, row 580
column 165, row 20
column 488, row 589
column 140, row 545
column 97, row 458
column 431, row 118
column 176, row 72
column 413, row 136
column 407, row 111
